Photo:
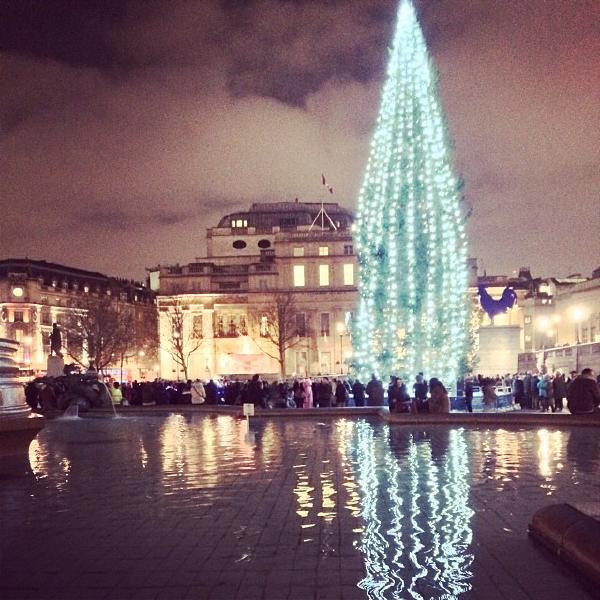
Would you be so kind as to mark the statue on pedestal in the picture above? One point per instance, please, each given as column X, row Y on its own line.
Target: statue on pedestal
column 55, row 341
column 56, row 364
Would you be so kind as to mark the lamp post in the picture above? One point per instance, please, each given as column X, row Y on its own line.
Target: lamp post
column 578, row 315
column 341, row 330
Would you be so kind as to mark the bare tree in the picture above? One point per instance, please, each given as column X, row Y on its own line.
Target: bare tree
column 279, row 328
column 98, row 332
column 182, row 342
column 143, row 341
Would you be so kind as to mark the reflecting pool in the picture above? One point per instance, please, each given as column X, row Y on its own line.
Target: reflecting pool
column 195, row 506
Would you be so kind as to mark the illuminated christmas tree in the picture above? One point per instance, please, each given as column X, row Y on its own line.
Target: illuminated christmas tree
column 409, row 231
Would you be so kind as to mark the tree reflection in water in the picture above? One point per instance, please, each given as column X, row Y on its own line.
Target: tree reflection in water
column 414, row 491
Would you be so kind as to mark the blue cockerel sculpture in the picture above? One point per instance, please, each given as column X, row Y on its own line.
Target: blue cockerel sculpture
column 496, row 307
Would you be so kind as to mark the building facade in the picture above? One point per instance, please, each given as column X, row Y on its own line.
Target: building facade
column 554, row 324
column 562, row 323
column 304, row 251
column 35, row 294
column 293, row 253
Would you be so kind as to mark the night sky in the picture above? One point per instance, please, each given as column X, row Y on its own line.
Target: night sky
column 130, row 126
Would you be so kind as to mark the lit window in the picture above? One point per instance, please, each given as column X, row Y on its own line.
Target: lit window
column 527, row 338
column 349, row 274
column 323, row 275
column 264, row 326
column 299, row 251
column 323, row 250
column 299, row 279
column 324, row 324
column 301, row 324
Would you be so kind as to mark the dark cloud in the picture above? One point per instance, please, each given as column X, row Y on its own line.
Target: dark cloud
column 127, row 131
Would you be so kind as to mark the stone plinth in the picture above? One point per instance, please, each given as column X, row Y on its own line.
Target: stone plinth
column 499, row 347
column 56, row 366
column 18, row 426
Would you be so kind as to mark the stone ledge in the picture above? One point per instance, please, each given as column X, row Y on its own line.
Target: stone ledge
column 236, row 411
column 16, row 433
column 570, row 534
column 497, row 419
column 504, row 419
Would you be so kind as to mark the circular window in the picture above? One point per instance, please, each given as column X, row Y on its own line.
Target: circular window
column 264, row 244
column 239, row 244
column 17, row 292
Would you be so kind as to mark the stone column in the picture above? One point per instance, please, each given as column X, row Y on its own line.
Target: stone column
column 18, row 426
column 208, row 347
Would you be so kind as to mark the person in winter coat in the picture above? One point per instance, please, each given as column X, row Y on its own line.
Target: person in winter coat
column 341, row 393
column 439, row 401
column 116, row 394
column 518, row 391
column 546, row 393
column 468, row 390
column 489, row 396
column 560, row 390
column 212, row 393
column 420, row 394
column 535, row 393
column 358, row 391
column 396, row 394
column 299, row 394
column 324, row 393
column 308, row 393
column 583, row 395
column 255, row 393
column 375, row 392
column 198, row 392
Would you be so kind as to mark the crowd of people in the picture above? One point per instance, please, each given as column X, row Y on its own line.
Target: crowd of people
column 579, row 392
column 543, row 392
column 321, row 392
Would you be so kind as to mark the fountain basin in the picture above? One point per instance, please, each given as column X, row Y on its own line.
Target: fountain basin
column 18, row 425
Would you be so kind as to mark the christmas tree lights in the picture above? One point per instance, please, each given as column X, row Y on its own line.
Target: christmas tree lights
column 409, row 231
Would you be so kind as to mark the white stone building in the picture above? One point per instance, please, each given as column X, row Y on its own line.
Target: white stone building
column 254, row 256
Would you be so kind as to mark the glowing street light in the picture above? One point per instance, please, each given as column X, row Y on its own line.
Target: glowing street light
column 579, row 314
column 542, row 323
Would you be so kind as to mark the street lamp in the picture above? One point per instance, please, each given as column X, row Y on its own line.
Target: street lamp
column 578, row 315
column 341, row 330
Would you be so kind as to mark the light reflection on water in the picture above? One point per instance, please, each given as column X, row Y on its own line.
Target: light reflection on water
column 423, row 549
column 403, row 499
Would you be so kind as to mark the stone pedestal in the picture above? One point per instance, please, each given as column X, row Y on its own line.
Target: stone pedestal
column 499, row 347
column 55, row 367
column 18, row 426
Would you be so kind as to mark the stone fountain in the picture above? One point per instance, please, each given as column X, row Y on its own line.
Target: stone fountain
column 18, row 425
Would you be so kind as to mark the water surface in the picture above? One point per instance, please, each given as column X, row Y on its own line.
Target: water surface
column 194, row 506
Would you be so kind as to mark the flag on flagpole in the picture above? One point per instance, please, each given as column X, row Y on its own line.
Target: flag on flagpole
column 324, row 182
